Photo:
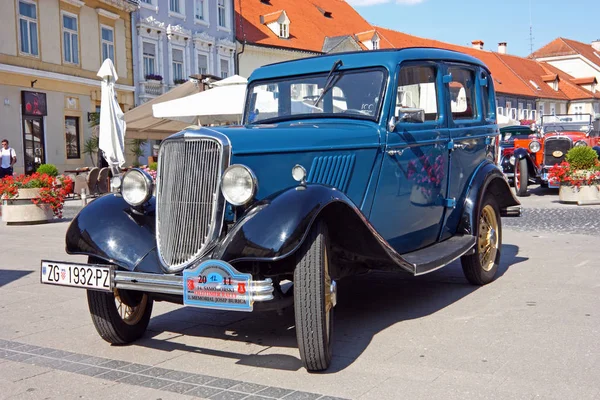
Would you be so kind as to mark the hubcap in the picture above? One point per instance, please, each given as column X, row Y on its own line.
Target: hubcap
column 130, row 315
column 487, row 241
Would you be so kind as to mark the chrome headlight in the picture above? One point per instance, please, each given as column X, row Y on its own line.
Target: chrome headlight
column 534, row 146
column 136, row 187
column 512, row 160
column 239, row 184
column 580, row 143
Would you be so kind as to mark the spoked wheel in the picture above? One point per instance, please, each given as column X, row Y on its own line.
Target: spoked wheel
column 315, row 296
column 121, row 316
column 480, row 268
column 521, row 177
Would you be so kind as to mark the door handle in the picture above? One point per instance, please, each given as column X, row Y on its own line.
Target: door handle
column 397, row 152
column 459, row 146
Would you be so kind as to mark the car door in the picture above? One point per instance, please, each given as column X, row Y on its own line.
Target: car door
column 408, row 207
column 472, row 125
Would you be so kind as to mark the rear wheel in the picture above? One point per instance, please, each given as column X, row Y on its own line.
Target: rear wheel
column 120, row 317
column 314, row 299
column 521, row 177
column 481, row 267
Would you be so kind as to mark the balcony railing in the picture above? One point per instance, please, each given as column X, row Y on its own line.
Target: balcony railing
column 151, row 88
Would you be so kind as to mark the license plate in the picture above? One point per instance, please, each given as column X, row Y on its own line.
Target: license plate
column 87, row 276
column 216, row 284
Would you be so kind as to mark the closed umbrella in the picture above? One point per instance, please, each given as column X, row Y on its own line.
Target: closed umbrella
column 112, row 124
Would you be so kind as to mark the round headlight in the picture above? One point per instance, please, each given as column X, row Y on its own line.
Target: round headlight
column 580, row 143
column 239, row 184
column 534, row 146
column 136, row 187
column 512, row 160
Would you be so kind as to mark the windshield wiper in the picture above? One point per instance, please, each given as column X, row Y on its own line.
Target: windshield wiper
column 329, row 82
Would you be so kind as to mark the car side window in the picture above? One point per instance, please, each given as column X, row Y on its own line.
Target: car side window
column 417, row 94
column 463, row 104
column 489, row 109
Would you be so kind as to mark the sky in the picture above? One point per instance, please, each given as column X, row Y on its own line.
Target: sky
column 462, row 21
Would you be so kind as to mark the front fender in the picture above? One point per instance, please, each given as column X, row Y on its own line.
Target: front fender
column 109, row 229
column 520, row 154
column 487, row 179
column 275, row 227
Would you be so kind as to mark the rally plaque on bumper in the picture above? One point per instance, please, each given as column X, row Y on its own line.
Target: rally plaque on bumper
column 88, row 276
column 216, row 284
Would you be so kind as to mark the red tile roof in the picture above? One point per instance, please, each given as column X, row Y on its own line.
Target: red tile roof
column 585, row 81
column 565, row 47
column 308, row 25
column 272, row 17
column 549, row 77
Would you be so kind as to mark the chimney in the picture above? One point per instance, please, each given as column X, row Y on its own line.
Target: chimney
column 502, row 47
column 596, row 44
column 477, row 44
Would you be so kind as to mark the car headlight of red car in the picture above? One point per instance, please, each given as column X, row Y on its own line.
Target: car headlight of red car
column 580, row 143
column 534, row 146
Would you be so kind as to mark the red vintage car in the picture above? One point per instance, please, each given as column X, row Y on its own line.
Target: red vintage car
column 534, row 156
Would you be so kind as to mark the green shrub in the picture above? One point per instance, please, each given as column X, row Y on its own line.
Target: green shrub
column 153, row 166
column 49, row 169
column 582, row 157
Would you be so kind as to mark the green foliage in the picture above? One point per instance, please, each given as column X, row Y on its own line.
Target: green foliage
column 90, row 147
column 94, row 119
column 136, row 149
column 153, row 166
column 49, row 169
column 582, row 157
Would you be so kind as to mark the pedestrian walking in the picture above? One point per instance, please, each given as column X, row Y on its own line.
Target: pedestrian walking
column 9, row 158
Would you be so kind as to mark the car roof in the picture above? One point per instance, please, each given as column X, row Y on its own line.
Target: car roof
column 388, row 58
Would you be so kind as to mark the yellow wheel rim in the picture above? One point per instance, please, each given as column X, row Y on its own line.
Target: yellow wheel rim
column 330, row 293
column 130, row 315
column 487, row 241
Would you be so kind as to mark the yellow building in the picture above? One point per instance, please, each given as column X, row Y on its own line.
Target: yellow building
column 50, row 52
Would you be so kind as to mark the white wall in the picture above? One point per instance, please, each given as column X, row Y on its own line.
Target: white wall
column 90, row 39
column 50, row 31
column 8, row 29
column 120, row 53
column 254, row 57
column 577, row 68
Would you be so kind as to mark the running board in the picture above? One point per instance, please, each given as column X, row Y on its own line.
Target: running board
column 438, row 255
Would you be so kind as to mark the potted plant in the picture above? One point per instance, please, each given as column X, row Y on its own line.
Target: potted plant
column 35, row 198
column 154, row 77
column 578, row 176
column 179, row 81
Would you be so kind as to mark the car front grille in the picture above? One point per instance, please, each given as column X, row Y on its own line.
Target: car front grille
column 554, row 146
column 188, row 210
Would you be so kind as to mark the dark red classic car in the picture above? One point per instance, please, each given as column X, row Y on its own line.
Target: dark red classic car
column 534, row 156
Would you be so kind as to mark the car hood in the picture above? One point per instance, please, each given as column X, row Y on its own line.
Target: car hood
column 299, row 136
column 573, row 135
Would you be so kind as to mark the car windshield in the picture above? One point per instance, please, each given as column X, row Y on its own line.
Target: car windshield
column 567, row 123
column 352, row 94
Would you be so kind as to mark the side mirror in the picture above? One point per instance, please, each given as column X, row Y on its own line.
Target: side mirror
column 409, row 114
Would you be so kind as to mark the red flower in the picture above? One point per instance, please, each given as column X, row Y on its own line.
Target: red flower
column 52, row 190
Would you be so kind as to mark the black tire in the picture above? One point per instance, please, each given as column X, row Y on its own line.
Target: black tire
column 521, row 177
column 314, row 300
column 109, row 323
column 482, row 270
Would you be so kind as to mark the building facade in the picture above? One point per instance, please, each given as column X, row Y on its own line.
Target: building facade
column 50, row 52
column 174, row 39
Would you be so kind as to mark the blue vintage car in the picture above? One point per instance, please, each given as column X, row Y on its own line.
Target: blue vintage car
column 345, row 163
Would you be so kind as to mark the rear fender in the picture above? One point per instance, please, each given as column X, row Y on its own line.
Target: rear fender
column 110, row 229
column 276, row 227
column 487, row 179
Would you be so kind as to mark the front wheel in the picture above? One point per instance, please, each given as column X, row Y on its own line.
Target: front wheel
column 521, row 177
column 314, row 300
column 480, row 268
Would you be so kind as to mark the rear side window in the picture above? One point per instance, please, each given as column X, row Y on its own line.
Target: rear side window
column 489, row 108
column 417, row 89
column 463, row 104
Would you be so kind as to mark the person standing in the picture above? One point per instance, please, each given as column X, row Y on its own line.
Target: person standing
column 9, row 158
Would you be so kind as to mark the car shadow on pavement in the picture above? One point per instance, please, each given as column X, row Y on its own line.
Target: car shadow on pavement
column 367, row 304
column 10, row 275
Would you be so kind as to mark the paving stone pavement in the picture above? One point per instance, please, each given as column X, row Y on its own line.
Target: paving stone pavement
column 530, row 334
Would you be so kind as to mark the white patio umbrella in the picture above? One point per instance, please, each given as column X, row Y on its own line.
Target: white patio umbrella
column 112, row 124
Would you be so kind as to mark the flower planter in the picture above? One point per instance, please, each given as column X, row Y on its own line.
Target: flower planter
column 21, row 211
column 589, row 194
column 568, row 194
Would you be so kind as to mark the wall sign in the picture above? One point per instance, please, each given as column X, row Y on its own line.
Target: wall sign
column 34, row 103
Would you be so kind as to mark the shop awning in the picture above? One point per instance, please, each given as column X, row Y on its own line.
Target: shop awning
column 141, row 124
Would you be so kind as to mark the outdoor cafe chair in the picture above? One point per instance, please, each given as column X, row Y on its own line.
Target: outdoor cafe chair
column 80, row 182
column 92, row 181
column 103, row 184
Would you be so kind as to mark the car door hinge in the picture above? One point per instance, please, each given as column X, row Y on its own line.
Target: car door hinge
column 450, row 203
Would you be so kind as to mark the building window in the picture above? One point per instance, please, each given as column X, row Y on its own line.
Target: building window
column 108, row 43
column 72, row 137
column 202, row 64
column 375, row 44
column 174, row 6
column 147, row 1
column 224, row 68
column 70, row 41
column 284, row 31
column 177, row 65
column 199, row 10
column 28, row 34
column 508, row 105
column 149, row 54
column 552, row 109
column 222, row 17
column 541, row 109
